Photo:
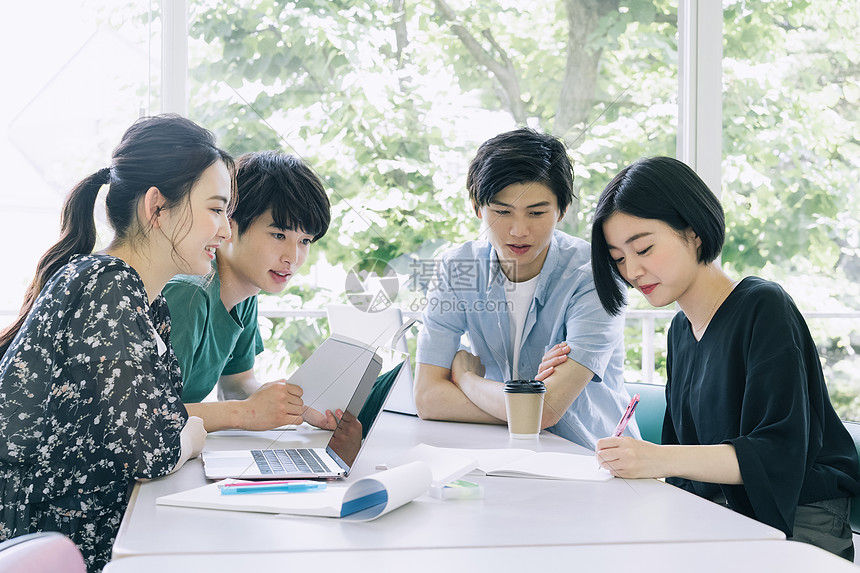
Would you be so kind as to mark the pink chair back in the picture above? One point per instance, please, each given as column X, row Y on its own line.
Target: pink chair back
column 41, row 553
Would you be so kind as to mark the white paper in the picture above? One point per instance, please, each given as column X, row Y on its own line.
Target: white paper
column 445, row 464
column 510, row 462
column 552, row 465
column 402, row 485
column 325, row 503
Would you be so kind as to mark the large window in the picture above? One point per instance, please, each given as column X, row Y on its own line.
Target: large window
column 791, row 112
column 388, row 99
column 791, row 115
column 77, row 74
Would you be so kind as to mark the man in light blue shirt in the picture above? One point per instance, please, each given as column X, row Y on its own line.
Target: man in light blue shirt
column 516, row 294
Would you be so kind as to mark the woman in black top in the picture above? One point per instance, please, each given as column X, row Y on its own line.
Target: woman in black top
column 748, row 421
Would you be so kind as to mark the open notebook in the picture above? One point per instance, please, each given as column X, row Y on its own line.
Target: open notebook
column 346, row 442
column 451, row 463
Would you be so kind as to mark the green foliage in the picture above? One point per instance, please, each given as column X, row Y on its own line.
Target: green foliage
column 386, row 119
column 790, row 118
column 787, row 117
column 389, row 106
column 327, row 86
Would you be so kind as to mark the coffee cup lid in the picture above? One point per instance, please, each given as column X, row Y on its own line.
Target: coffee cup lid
column 524, row 387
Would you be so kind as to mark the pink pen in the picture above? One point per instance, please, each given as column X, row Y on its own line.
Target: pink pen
column 265, row 482
column 628, row 413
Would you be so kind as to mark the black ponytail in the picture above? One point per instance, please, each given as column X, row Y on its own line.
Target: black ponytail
column 77, row 235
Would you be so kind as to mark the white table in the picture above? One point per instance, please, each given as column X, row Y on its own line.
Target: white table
column 513, row 511
column 709, row 557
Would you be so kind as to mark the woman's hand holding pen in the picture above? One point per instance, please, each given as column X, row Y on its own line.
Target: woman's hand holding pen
column 553, row 357
column 628, row 457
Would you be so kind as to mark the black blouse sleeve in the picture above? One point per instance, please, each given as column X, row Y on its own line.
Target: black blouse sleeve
column 778, row 418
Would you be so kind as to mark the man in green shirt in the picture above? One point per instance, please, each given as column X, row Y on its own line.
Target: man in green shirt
column 282, row 208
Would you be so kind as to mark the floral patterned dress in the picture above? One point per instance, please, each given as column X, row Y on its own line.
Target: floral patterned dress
column 89, row 401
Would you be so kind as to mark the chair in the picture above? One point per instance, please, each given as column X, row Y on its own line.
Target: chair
column 651, row 409
column 373, row 328
column 46, row 552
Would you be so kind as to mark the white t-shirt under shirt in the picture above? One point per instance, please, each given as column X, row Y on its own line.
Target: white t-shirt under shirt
column 520, row 295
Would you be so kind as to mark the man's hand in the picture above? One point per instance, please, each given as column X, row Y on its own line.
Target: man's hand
column 464, row 363
column 553, row 357
column 274, row 404
column 327, row 421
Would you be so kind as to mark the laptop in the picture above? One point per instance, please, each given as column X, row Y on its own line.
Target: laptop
column 343, row 448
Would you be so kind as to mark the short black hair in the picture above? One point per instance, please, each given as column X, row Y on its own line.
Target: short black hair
column 285, row 184
column 520, row 156
column 659, row 188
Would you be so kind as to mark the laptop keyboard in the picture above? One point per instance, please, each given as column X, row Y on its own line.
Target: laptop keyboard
column 292, row 461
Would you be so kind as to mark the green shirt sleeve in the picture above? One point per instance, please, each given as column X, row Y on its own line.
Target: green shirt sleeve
column 189, row 311
column 249, row 343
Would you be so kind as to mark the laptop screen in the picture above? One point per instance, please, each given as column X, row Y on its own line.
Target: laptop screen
column 364, row 409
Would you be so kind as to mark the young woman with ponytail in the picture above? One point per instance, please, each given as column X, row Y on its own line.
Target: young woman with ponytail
column 89, row 384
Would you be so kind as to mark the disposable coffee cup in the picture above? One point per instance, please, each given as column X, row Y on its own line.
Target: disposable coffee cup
column 524, row 406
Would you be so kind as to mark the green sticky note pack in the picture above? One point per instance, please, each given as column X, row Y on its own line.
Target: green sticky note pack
column 460, row 489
